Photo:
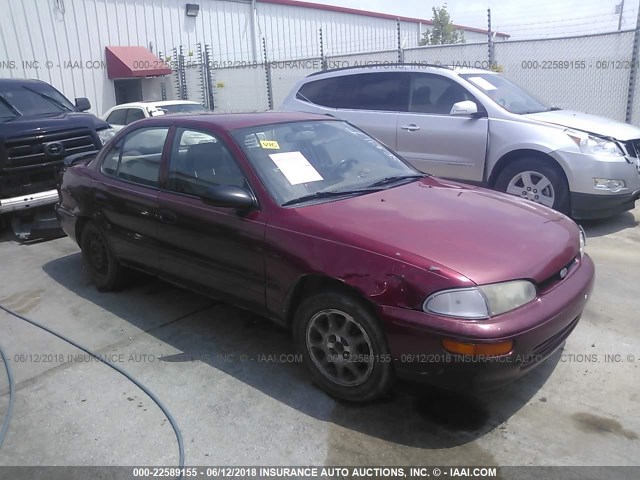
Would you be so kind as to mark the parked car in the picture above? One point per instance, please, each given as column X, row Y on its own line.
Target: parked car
column 39, row 127
column 476, row 126
column 379, row 270
column 124, row 114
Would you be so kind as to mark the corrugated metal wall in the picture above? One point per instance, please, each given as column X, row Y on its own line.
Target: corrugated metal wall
column 66, row 38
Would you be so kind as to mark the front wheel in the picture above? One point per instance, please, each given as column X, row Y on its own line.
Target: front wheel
column 537, row 181
column 343, row 346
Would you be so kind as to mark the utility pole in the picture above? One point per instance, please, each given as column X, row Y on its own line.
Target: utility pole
column 621, row 7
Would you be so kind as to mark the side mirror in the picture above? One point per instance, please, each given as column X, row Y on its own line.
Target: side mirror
column 79, row 157
column 227, row 196
column 466, row 107
column 83, row 104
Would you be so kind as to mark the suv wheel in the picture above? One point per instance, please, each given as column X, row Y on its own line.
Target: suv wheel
column 343, row 346
column 104, row 269
column 536, row 181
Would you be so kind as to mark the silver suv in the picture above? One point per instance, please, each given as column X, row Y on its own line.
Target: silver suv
column 478, row 127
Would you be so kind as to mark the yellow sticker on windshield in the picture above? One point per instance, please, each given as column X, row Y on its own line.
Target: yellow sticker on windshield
column 269, row 144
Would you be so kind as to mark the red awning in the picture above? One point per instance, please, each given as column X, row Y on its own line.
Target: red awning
column 128, row 62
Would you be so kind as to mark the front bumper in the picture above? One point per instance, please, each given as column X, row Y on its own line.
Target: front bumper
column 537, row 330
column 31, row 200
column 590, row 202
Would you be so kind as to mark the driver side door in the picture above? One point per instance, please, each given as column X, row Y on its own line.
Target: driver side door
column 218, row 251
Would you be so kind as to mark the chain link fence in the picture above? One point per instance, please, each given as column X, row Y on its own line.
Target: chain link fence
column 585, row 73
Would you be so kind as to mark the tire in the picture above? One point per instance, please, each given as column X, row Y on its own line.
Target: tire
column 105, row 271
column 343, row 346
column 520, row 177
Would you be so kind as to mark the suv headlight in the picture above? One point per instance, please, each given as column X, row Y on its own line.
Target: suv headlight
column 105, row 134
column 593, row 145
column 481, row 302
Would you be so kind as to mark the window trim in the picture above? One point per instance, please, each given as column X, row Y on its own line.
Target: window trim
column 100, row 165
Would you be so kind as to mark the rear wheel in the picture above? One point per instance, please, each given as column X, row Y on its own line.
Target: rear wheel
column 104, row 269
column 343, row 346
column 538, row 181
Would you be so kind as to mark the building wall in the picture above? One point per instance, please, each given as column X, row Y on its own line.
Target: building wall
column 62, row 41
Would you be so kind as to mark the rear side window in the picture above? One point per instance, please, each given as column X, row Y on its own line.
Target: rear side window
column 386, row 91
column 117, row 117
column 137, row 157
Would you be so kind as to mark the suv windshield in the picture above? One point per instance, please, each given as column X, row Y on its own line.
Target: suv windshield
column 506, row 94
column 313, row 160
column 35, row 99
column 181, row 108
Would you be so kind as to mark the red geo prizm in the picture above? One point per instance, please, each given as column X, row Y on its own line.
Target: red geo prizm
column 379, row 270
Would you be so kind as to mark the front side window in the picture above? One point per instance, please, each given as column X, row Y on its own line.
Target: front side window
column 506, row 94
column 318, row 159
column 200, row 161
column 435, row 94
column 385, row 91
column 137, row 157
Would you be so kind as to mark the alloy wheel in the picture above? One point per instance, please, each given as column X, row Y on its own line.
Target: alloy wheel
column 533, row 186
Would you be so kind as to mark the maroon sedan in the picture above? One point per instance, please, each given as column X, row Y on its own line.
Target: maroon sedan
column 380, row 271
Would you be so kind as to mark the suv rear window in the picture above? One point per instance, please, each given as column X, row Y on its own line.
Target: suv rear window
column 386, row 91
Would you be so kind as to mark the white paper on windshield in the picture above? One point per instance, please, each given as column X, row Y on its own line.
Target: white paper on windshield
column 295, row 167
column 483, row 83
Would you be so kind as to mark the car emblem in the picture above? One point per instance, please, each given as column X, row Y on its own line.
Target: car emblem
column 53, row 149
column 563, row 272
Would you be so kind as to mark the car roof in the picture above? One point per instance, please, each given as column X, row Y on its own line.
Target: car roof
column 154, row 103
column 233, row 121
column 18, row 81
column 405, row 67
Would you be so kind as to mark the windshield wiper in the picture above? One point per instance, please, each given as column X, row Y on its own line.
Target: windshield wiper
column 395, row 178
column 55, row 101
column 11, row 107
column 328, row 194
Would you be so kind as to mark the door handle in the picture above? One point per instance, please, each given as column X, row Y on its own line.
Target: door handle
column 100, row 198
column 412, row 127
column 165, row 216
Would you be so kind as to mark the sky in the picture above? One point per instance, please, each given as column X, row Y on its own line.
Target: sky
column 521, row 19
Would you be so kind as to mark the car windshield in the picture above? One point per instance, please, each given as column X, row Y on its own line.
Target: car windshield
column 506, row 94
column 181, row 108
column 35, row 99
column 314, row 160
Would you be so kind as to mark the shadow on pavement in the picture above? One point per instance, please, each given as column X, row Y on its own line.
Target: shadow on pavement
column 413, row 415
column 605, row 226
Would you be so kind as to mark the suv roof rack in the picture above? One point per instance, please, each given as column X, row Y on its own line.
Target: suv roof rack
column 374, row 65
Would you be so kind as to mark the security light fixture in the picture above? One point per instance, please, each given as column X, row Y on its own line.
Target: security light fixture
column 192, row 9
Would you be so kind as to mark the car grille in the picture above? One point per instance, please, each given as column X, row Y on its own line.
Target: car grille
column 556, row 277
column 31, row 151
column 633, row 151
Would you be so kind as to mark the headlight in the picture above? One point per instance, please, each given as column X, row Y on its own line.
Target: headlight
column 583, row 240
column 593, row 145
column 481, row 302
column 106, row 134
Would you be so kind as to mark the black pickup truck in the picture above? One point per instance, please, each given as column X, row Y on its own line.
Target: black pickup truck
column 39, row 128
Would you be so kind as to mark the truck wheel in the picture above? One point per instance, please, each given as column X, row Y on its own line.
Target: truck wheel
column 343, row 346
column 105, row 271
column 536, row 181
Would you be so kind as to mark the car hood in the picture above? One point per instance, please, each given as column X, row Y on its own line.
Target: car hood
column 589, row 123
column 34, row 124
column 483, row 235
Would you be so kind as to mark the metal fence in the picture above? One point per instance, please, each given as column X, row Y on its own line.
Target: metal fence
column 586, row 73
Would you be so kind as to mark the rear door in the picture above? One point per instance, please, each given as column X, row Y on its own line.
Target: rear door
column 435, row 141
column 370, row 101
column 126, row 196
column 212, row 249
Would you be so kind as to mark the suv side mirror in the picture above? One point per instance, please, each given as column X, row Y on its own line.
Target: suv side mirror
column 83, row 104
column 228, row 196
column 466, row 107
